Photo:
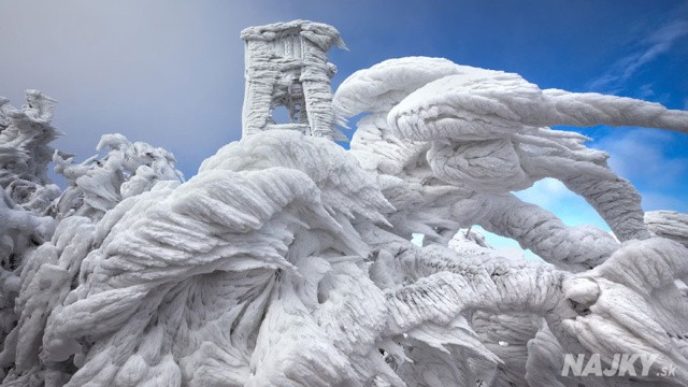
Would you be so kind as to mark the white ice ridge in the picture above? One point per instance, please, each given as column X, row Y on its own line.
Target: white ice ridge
column 287, row 260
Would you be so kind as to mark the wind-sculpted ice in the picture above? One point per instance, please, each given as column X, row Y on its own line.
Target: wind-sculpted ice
column 97, row 185
column 668, row 224
column 24, row 151
column 44, row 235
column 287, row 260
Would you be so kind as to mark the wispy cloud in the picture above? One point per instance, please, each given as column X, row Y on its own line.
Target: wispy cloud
column 657, row 43
column 641, row 155
column 644, row 157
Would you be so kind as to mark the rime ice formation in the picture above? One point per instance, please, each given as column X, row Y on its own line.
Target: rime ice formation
column 286, row 65
column 287, row 260
column 97, row 185
column 668, row 224
column 24, row 151
column 45, row 234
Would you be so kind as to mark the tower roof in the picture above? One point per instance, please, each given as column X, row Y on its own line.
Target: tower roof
column 320, row 34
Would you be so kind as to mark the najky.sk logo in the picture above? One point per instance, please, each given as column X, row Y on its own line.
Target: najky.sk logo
column 622, row 364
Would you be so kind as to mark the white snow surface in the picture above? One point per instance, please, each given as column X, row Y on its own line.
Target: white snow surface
column 287, row 260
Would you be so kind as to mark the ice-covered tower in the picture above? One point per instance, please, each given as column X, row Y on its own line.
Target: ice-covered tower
column 286, row 65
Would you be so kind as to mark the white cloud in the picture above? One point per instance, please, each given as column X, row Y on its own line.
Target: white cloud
column 417, row 239
column 643, row 157
column 640, row 155
column 553, row 196
column 506, row 247
column 546, row 193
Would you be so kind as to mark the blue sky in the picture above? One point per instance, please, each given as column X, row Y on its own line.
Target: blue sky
column 171, row 72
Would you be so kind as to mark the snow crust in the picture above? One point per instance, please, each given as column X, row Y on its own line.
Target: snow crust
column 287, row 260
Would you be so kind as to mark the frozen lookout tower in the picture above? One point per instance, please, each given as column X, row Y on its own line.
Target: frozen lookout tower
column 286, row 65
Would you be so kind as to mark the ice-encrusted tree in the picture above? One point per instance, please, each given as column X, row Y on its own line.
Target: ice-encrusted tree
column 287, row 261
